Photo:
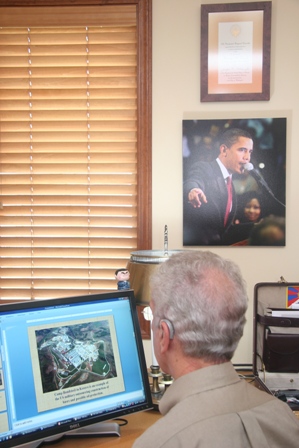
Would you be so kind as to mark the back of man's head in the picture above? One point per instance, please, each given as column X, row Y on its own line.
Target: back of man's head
column 204, row 296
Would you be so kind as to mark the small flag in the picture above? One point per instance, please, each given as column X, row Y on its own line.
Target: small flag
column 292, row 296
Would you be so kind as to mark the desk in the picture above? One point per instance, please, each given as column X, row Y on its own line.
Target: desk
column 137, row 424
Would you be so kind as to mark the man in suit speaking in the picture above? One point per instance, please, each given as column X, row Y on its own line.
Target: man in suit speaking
column 209, row 196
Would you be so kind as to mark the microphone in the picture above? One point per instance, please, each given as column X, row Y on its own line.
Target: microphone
column 260, row 180
column 257, row 176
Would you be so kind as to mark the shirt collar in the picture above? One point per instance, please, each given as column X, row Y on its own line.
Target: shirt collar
column 224, row 171
column 208, row 378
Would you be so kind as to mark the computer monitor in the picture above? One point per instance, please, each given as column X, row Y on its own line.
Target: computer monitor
column 68, row 364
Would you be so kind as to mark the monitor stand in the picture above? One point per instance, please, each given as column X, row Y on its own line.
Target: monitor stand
column 104, row 429
column 107, row 429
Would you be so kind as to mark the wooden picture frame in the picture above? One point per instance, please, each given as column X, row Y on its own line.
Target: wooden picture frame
column 235, row 51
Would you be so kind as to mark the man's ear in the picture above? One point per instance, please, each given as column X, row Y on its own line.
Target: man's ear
column 165, row 335
column 223, row 149
column 170, row 327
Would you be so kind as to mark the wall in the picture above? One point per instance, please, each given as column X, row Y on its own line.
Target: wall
column 176, row 96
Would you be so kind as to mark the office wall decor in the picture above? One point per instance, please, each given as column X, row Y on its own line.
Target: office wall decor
column 235, row 51
column 254, row 154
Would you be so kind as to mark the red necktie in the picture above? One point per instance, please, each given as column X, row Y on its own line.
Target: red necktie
column 229, row 199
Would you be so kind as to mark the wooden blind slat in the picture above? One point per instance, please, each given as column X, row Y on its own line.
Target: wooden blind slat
column 123, row 15
column 69, row 139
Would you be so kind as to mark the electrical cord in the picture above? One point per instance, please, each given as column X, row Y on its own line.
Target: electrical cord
column 123, row 421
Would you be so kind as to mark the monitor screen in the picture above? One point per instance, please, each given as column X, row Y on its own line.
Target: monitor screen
column 68, row 363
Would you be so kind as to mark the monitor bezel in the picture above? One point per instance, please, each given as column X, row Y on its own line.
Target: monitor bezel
column 62, row 430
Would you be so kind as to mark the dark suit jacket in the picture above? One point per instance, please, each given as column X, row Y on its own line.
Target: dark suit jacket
column 205, row 225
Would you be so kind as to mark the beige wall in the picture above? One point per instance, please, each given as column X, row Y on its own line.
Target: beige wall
column 176, row 96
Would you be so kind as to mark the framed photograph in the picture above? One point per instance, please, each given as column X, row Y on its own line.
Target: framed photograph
column 251, row 153
column 235, row 51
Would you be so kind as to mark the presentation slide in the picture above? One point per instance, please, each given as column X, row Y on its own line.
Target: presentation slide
column 75, row 361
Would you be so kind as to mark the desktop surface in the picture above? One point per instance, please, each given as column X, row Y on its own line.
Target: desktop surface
column 137, row 424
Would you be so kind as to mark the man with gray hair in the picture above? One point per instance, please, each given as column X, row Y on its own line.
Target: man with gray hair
column 199, row 302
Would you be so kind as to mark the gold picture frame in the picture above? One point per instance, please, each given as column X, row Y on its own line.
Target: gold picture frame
column 235, row 51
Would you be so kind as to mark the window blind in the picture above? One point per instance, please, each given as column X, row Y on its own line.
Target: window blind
column 69, row 149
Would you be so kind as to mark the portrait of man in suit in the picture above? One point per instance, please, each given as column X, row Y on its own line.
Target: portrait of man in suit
column 214, row 179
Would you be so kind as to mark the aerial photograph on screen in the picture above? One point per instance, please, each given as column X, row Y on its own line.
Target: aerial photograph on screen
column 75, row 361
column 75, row 354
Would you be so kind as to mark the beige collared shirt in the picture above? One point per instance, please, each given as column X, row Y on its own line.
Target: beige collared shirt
column 214, row 408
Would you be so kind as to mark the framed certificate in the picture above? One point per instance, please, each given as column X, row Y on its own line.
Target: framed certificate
column 235, row 51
